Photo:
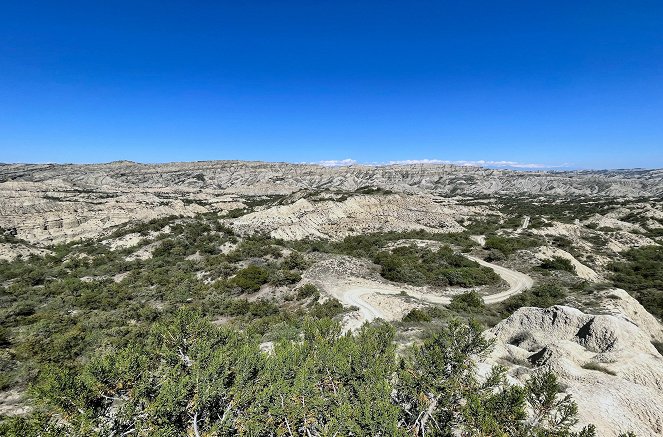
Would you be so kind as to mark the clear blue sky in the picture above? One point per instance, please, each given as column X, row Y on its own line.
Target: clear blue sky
column 545, row 82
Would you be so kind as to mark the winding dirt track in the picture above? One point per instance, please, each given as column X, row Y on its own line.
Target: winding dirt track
column 354, row 295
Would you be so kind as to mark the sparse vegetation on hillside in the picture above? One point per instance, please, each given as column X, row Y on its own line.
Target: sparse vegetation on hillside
column 9, row 236
column 411, row 264
column 564, row 210
column 641, row 274
column 63, row 307
column 196, row 329
column 368, row 245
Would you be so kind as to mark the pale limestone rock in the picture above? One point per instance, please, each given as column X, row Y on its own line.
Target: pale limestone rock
column 627, row 395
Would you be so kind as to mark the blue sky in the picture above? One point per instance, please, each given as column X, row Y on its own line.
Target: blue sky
column 570, row 83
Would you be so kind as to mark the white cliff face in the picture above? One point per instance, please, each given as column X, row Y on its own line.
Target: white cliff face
column 607, row 362
column 50, row 215
column 355, row 215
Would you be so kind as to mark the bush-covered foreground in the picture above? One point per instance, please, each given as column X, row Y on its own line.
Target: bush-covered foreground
column 189, row 376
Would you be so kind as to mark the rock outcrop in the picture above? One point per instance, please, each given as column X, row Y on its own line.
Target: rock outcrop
column 607, row 362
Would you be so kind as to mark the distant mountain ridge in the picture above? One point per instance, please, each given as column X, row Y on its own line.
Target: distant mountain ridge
column 254, row 177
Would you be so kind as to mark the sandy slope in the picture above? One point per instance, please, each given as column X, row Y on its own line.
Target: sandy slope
column 582, row 270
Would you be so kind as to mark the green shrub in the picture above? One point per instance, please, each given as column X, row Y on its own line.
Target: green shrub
column 184, row 372
column 254, row 247
column 306, row 291
column 420, row 266
column 558, row 263
column 495, row 255
column 328, row 309
column 469, row 302
column 562, row 242
column 416, row 315
column 236, row 213
column 541, row 296
column 250, row 279
column 509, row 245
column 294, row 261
column 280, row 278
column 4, row 338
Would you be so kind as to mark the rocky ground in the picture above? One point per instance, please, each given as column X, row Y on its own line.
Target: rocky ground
column 608, row 362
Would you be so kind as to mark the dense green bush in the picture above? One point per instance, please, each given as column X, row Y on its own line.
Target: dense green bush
column 495, row 255
column 469, row 302
column 294, row 261
column 4, row 338
column 328, row 309
column 558, row 263
column 250, row 279
column 253, row 309
column 254, row 247
column 416, row 315
column 307, row 290
column 419, row 266
column 641, row 270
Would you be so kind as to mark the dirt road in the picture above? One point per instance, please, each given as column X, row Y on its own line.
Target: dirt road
column 525, row 224
column 357, row 294
column 518, row 282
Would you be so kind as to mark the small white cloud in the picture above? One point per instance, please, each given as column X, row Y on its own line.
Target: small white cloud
column 463, row 163
column 335, row 162
column 481, row 163
column 419, row 161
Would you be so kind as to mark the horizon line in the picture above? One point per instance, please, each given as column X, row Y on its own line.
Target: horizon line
column 484, row 164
